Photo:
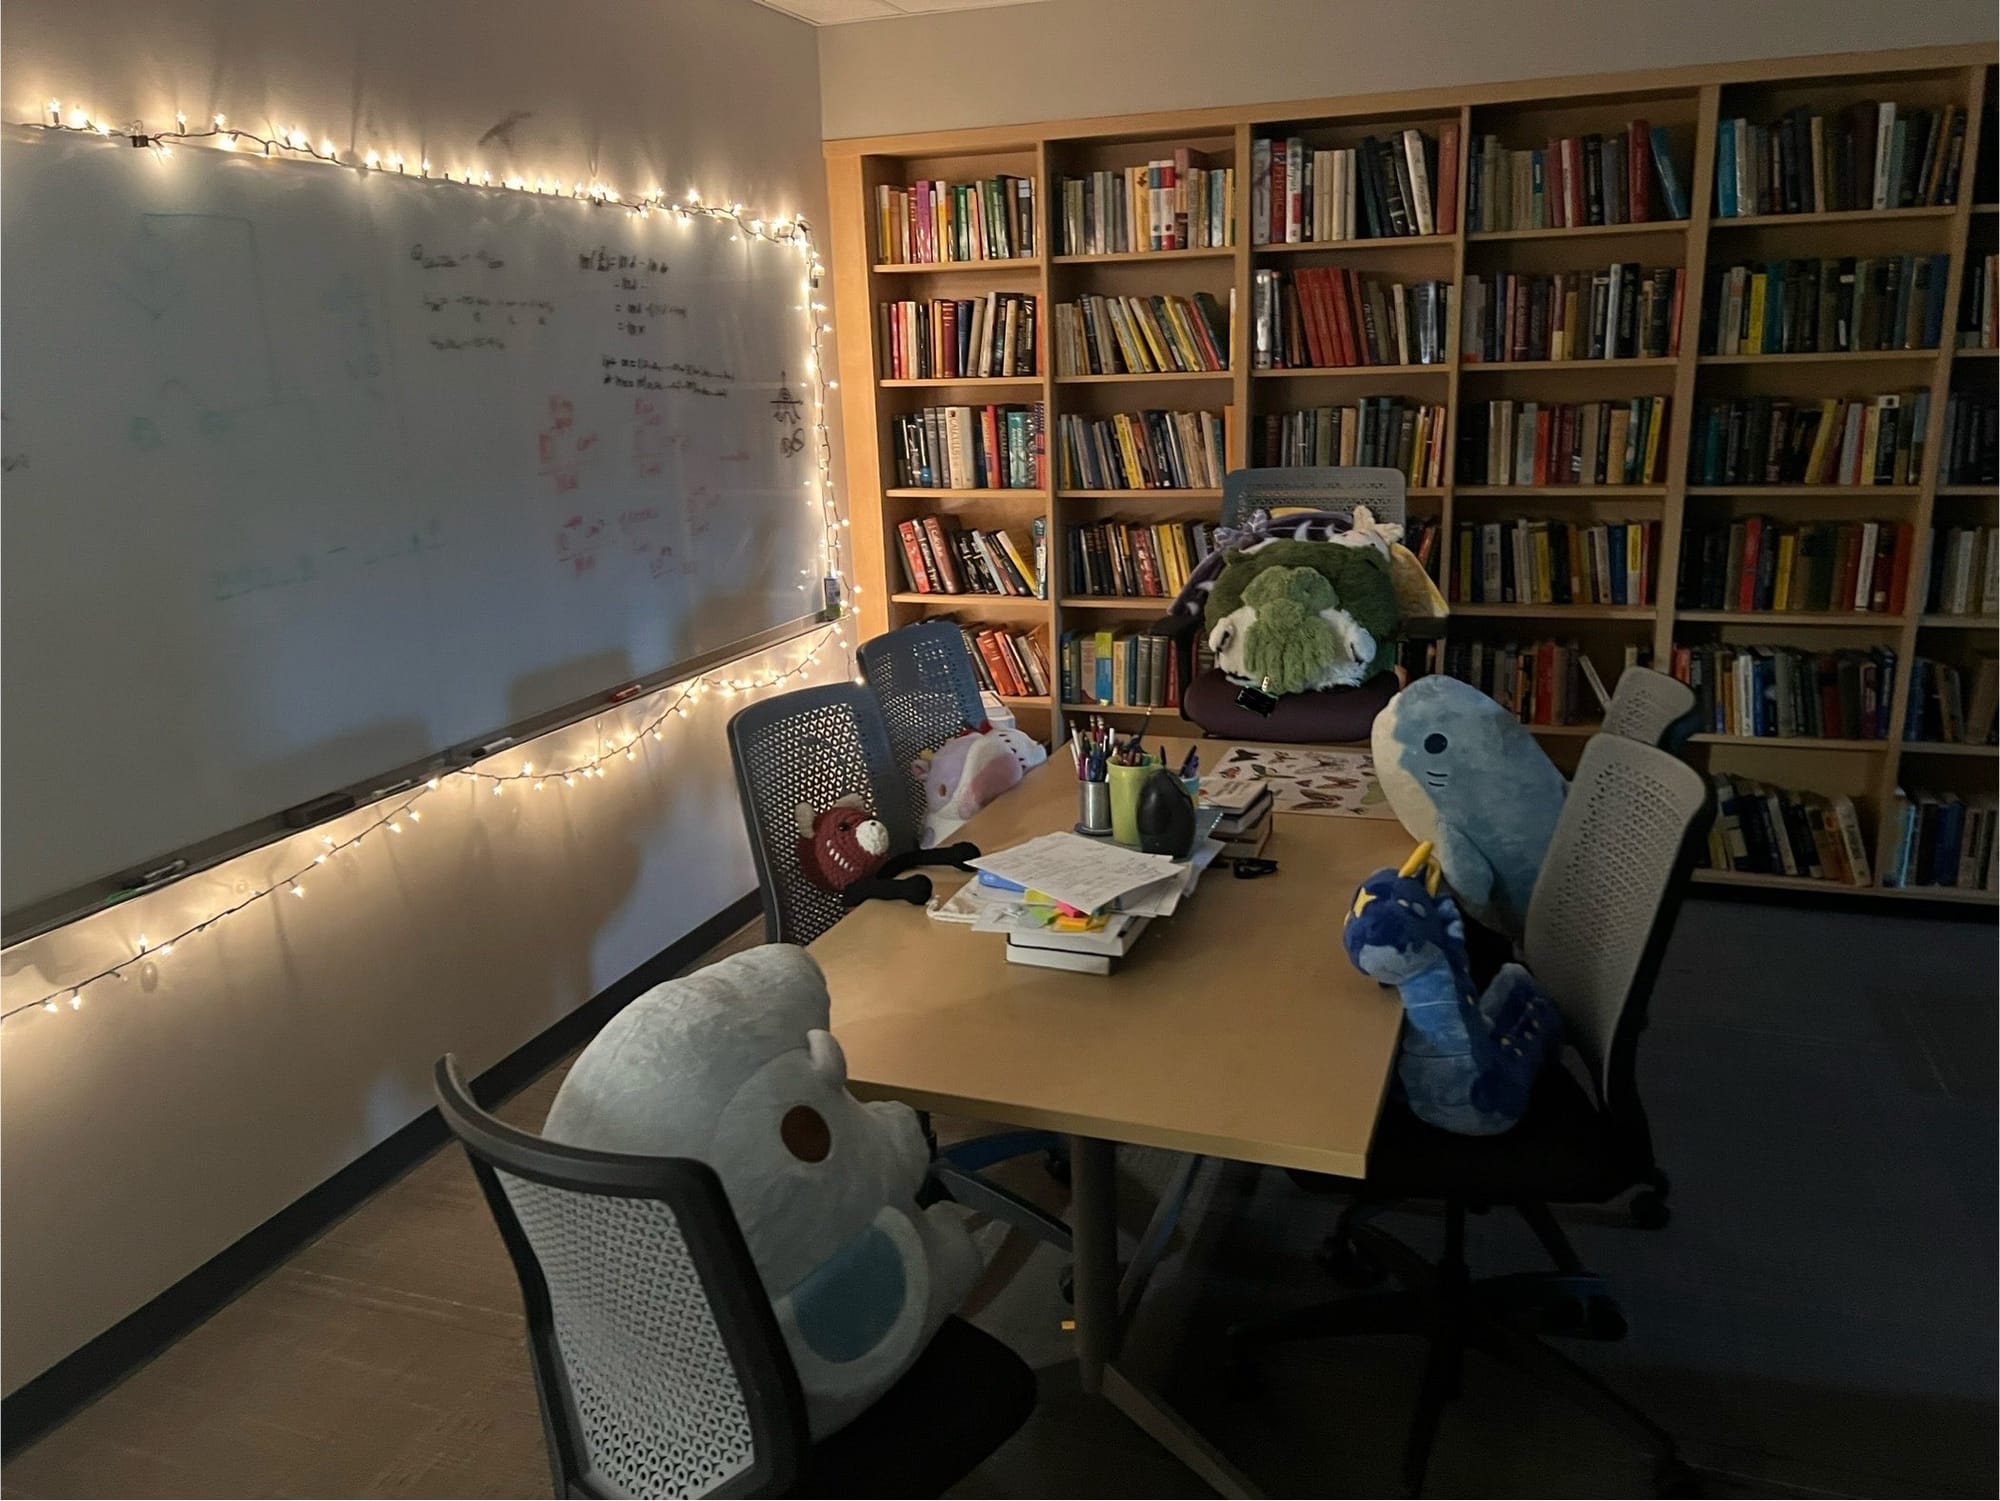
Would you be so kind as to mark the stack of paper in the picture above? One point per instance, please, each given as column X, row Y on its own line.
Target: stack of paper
column 1086, row 874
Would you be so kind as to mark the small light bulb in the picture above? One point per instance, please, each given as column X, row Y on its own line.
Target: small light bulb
column 657, row 735
column 75, row 1000
column 371, row 159
column 326, row 149
column 396, row 160
column 568, row 780
column 498, row 788
column 415, row 816
column 426, row 168
column 320, row 858
column 432, row 784
column 219, row 118
column 55, row 111
column 693, row 196
column 180, row 119
column 395, row 828
column 142, row 943
column 166, row 949
column 630, row 754
column 527, row 768
column 227, row 143
column 78, row 119
column 49, row 1004
column 327, row 840
column 297, row 889
column 538, row 784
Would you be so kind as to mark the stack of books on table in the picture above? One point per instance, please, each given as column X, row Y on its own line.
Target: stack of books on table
column 1069, row 902
column 1245, row 825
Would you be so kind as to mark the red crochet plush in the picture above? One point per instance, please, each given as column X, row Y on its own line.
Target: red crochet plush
column 845, row 849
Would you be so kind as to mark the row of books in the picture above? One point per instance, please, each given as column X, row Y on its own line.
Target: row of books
column 1177, row 203
column 1566, row 443
column 1149, row 450
column 1121, row 669
column 1965, row 571
column 1327, row 316
column 1574, row 181
column 930, row 222
column 1013, row 664
column 955, row 338
column 1754, row 564
column 1392, row 432
column 1825, row 305
column 941, row 557
column 1942, row 711
column 1134, row 559
column 971, row 448
column 1971, row 439
column 1381, row 189
column 1766, row 440
column 1869, row 155
column 1622, row 312
column 1776, row 831
column 1979, row 327
column 1940, row 839
column 1784, row 692
column 1541, row 682
column 1141, row 335
column 1554, row 562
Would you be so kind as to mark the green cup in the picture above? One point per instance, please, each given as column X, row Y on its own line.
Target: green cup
column 1125, row 784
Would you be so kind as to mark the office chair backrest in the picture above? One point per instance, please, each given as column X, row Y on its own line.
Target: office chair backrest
column 1330, row 488
column 923, row 679
column 1646, row 705
column 811, row 748
column 657, row 1358
column 1607, row 897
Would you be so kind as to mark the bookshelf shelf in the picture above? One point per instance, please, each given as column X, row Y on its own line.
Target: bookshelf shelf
column 1824, row 619
column 1558, row 612
column 1581, row 231
column 1560, row 730
column 939, row 493
column 1792, row 742
column 1708, row 876
column 1808, row 492
column 1550, row 492
column 947, row 381
column 1943, row 894
column 1372, row 243
column 1336, row 372
column 1024, row 701
column 946, row 268
column 1690, row 102
column 1150, row 377
column 1022, row 602
column 1823, row 357
column 1136, row 257
column 1835, row 216
column 1164, row 721
column 1960, row 622
column 1951, row 748
column 1630, row 362
column 1139, row 494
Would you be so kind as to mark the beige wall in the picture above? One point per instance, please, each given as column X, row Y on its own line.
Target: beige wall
column 144, row 1133
column 1065, row 58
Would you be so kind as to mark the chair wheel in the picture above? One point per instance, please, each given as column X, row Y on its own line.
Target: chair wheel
column 1066, row 1284
column 1603, row 1319
column 1349, row 1265
column 1563, row 1315
column 1055, row 1162
column 1649, row 1211
column 1673, row 1477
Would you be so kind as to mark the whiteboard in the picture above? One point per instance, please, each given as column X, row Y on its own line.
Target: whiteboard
column 310, row 473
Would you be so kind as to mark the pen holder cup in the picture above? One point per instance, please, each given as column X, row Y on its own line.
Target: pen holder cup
column 1125, row 782
column 1093, row 807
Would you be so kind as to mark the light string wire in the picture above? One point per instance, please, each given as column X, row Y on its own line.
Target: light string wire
column 405, row 814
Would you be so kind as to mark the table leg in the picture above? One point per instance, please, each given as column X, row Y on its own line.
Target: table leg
column 1093, row 1213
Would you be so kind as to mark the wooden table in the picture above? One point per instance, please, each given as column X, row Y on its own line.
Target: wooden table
column 1234, row 1029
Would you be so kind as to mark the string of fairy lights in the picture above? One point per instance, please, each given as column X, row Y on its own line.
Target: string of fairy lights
column 400, row 816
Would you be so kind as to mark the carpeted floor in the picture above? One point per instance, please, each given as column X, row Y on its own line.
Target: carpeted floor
column 1819, row 1318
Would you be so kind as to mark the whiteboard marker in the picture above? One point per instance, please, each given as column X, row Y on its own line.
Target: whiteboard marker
column 481, row 752
column 619, row 695
column 140, row 880
column 393, row 787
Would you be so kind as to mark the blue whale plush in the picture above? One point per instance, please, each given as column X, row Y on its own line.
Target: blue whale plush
column 1468, row 778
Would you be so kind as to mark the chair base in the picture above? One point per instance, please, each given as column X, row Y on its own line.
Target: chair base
column 1454, row 1312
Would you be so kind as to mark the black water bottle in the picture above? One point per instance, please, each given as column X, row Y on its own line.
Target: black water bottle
column 1165, row 815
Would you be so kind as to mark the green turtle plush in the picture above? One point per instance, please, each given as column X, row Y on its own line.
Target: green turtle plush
column 1293, row 616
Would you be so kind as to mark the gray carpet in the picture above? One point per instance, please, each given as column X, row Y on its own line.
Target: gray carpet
column 1819, row 1318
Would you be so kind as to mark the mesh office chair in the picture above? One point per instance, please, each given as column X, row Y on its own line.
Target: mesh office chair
column 658, row 1361
column 1652, row 708
column 812, row 747
column 1598, row 924
column 923, row 679
column 1340, row 714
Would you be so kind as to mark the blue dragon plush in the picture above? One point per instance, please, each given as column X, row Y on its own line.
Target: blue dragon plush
column 1468, row 1062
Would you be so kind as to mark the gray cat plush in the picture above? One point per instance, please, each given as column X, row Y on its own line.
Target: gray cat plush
column 733, row 1065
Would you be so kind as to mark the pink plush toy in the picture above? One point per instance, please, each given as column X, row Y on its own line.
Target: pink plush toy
column 966, row 773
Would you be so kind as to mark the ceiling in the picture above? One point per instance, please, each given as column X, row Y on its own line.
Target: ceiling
column 839, row 12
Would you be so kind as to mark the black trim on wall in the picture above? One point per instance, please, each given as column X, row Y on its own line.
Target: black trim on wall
column 84, row 1374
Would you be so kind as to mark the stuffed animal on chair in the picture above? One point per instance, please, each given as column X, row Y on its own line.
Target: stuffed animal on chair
column 1464, row 775
column 733, row 1065
column 1467, row 1062
column 967, row 772
column 844, row 848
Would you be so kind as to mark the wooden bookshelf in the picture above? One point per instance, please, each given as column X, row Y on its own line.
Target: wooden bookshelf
column 1689, row 102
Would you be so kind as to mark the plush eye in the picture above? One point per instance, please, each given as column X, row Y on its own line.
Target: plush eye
column 1435, row 744
column 805, row 1135
column 944, row 789
column 1420, row 909
column 1223, row 638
